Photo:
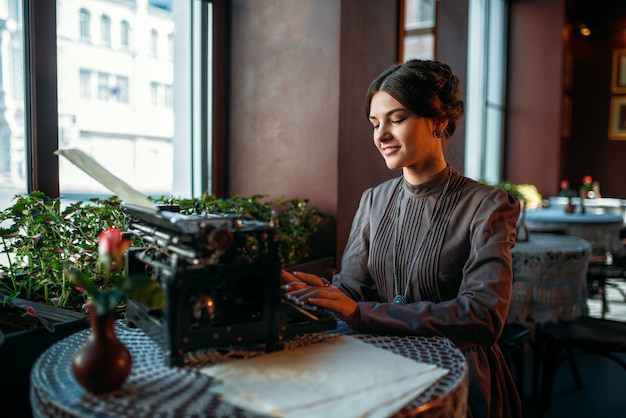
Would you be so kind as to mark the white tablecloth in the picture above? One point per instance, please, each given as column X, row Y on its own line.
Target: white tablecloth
column 549, row 278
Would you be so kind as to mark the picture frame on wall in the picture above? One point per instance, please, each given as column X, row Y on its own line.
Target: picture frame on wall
column 618, row 76
column 617, row 118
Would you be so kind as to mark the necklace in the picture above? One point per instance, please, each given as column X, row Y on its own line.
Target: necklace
column 401, row 299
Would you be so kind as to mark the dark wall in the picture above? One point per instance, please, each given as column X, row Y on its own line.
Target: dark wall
column 552, row 69
column 369, row 44
column 534, row 93
column 589, row 150
column 451, row 48
column 284, row 100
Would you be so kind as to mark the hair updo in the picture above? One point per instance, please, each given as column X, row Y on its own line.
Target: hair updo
column 427, row 88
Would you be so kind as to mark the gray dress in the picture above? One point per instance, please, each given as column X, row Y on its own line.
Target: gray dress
column 461, row 280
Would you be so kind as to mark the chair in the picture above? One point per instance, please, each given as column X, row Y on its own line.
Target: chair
column 557, row 342
column 600, row 268
column 597, row 274
column 512, row 342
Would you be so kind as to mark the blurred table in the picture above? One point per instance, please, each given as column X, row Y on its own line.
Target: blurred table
column 602, row 205
column 602, row 230
column 154, row 389
column 549, row 278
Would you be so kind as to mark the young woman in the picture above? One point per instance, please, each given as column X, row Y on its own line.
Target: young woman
column 429, row 252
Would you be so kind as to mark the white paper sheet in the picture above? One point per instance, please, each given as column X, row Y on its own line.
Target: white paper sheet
column 116, row 185
column 341, row 377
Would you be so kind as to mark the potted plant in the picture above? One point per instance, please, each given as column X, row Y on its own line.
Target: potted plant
column 40, row 238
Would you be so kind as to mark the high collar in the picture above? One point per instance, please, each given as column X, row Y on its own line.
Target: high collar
column 433, row 185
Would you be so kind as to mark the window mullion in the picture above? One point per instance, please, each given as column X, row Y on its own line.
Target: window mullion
column 41, row 108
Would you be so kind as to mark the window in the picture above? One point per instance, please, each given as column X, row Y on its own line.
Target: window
column 418, row 39
column 85, row 25
column 120, row 90
column 106, row 111
column 169, row 96
column 105, row 30
column 154, row 42
column 170, row 45
column 154, row 93
column 103, row 87
column 13, row 147
column 125, row 34
column 486, row 91
column 85, row 84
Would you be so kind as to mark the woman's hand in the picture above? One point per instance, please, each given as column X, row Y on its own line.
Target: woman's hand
column 315, row 290
column 297, row 280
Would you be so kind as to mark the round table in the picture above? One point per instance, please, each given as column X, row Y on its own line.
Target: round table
column 602, row 230
column 154, row 389
column 549, row 278
column 612, row 205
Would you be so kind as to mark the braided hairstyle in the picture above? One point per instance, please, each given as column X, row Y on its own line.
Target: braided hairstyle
column 427, row 88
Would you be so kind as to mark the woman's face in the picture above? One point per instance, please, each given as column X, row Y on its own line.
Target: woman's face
column 404, row 139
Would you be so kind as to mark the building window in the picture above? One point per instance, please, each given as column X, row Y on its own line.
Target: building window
column 105, row 30
column 169, row 97
column 85, row 84
column 418, row 38
column 154, row 42
column 118, row 138
column 170, row 46
column 85, row 25
column 103, row 87
column 13, row 144
column 120, row 90
column 125, row 34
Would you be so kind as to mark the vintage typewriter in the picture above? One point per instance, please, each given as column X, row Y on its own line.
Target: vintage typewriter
column 220, row 281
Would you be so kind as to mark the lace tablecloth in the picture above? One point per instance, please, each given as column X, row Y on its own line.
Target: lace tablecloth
column 156, row 390
column 549, row 278
column 602, row 230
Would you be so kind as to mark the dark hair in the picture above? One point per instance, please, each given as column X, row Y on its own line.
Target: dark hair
column 426, row 88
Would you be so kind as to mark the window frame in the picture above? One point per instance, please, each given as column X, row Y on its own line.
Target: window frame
column 85, row 24
column 105, row 30
column 125, row 35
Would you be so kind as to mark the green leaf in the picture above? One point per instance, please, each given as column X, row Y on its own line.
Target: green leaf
column 81, row 279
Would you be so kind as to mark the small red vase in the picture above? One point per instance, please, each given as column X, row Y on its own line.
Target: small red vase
column 103, row 362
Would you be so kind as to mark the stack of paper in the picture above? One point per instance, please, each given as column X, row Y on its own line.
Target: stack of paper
column 341, row 377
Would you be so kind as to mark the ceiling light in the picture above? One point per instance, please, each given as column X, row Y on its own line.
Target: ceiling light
column 584, row 29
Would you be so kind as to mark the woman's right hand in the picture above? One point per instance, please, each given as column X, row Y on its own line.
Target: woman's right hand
column 315, row 290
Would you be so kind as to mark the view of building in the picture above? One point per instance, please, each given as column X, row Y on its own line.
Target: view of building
column 115, row 96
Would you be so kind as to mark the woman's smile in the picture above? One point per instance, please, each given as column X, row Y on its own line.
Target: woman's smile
column 388, row 151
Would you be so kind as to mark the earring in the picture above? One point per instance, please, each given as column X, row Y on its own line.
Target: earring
column 437, row 133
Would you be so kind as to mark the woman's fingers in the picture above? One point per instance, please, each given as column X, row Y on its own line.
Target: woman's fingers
column 286, row 277
column 293, row 281
column 325, row 297
column 309, row 288
column 311, row 279
column 297, row 280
